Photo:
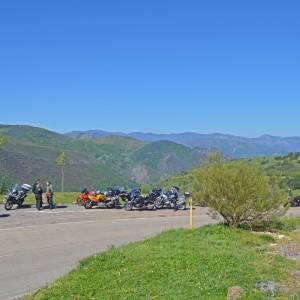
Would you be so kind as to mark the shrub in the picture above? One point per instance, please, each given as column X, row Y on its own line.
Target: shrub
column 239, row 192
column 145, row 189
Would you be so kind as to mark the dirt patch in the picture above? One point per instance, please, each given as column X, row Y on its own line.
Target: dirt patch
column 291, row 251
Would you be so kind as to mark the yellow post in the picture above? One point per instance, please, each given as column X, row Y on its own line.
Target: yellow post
column 191, row 213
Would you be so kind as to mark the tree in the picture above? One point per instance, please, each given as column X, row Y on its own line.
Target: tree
column 3, row 141
column 238, row 192
column 62, row 161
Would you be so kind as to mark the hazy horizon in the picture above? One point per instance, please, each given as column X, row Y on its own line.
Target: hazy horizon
column 149, row 132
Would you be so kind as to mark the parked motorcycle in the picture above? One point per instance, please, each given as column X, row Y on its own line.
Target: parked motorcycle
column 84, row 196
column 108, row 199
column 16, row 196
column 135, row 200
column 295, row 202
column 171, row 199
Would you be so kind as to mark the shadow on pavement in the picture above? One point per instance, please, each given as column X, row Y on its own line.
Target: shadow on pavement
column 4, row 215
column 26, row 206
column 59, row 206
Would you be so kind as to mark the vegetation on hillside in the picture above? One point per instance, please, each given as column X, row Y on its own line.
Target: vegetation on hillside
column 285, row 168
column 31, row 152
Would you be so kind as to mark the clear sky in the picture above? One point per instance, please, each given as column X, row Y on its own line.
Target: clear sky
column 160, row 66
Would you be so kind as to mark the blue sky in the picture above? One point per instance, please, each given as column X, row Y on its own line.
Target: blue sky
column 160, row 66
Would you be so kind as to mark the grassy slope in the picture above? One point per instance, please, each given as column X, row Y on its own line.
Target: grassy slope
column 283, row 166
column 59, row 198
column 179, row 264
column 26, row 162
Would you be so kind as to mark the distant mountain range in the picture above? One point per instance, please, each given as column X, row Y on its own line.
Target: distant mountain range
column 98, row 162
column 230, row 145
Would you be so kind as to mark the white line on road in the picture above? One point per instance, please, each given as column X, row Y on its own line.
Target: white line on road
column 7, row 255
column 39, row 225
column 17, row 297
column 63, row 212
column 96, row 221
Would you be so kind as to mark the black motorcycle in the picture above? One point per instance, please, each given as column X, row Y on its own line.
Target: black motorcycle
column 134, row 200
column 171, row 199
column 295, row 202
column 112, row 197
column 16, row 196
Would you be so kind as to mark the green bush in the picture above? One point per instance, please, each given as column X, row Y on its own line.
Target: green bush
column 146, row 189
column 239, row 192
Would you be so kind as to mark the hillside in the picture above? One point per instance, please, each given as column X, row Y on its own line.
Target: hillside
column 111, row 160
column 25, row 162
column 287, row 166
column 230, row 145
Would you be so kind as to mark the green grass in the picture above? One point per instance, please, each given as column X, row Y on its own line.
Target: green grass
column 178, row 264
column 59, row 198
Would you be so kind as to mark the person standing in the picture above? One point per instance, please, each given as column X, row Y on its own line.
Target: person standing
column 38, row 193
column 50, row 193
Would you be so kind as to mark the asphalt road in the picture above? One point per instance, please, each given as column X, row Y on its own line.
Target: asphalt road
column 38, row 247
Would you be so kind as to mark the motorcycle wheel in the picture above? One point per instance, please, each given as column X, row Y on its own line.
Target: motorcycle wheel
column 20, row 204
column 110, row 205
column 159, row 204
column 151, row 206
column 88, row 205
column 128, row 206
column 181, row 206
column 8, row 204
column 79, row 201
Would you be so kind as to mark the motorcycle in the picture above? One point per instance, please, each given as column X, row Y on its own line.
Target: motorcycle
column 109, row 199
column 135, row 200
column 295, row 202
column 112, row 197
column 171, row 199
column 17, row 196
column 84, row 196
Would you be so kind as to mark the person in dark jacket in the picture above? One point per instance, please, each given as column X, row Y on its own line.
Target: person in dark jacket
column 50, row 193
column 38, row 193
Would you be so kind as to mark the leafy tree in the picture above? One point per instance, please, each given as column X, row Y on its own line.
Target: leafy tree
column 62, row 161
column 3, row 140
column 238, row 192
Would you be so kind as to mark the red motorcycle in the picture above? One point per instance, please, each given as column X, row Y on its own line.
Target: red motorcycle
column 84, row 197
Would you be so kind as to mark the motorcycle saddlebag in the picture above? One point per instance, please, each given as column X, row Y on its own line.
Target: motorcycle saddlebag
column 26, row 187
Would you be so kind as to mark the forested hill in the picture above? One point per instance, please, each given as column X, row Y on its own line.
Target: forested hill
column 30, row 152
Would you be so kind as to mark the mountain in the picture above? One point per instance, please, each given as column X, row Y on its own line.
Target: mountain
column 30, row 153
column 109, row 160
column 230, row 145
